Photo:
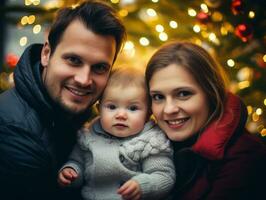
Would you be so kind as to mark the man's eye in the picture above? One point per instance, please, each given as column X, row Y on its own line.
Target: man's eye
column 100, row 68
column 74, row 60
column 157, row 97
column 133, row 108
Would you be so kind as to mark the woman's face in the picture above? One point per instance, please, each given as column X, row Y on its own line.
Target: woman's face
column 178, row 102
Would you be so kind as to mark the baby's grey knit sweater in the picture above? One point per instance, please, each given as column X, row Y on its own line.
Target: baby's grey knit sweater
column 104, row 162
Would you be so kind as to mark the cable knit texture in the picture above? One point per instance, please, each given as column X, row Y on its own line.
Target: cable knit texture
column 105, row 162
column 151, row 143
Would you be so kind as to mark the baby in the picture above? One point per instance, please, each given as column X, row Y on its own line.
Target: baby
column 123, row 154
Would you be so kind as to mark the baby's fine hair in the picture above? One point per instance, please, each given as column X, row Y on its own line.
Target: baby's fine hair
column 127, row 76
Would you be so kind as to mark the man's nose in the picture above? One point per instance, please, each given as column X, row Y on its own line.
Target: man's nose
column 83, row 76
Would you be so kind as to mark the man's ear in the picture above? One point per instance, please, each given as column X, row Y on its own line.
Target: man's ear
column 45, row 54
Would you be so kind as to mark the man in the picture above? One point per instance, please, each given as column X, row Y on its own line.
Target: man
column 55, row 86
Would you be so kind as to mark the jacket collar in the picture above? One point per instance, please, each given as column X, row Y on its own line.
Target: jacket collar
column 213, row 141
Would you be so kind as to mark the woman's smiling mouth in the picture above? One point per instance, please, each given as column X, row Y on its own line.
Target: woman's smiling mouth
column 177, row 123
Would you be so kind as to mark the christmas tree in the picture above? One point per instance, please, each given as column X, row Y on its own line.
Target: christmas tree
column 233, row 31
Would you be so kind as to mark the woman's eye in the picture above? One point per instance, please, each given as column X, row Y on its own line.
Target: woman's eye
column 184, row 94
column 133, row 108
column 157, row 97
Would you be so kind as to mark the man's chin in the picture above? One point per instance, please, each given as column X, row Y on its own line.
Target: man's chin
column 73, row 109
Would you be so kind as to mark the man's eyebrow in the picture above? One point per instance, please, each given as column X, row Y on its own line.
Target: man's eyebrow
column 102, row 63
column 71, row 54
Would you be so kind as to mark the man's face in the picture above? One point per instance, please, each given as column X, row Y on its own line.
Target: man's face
column 76, row 73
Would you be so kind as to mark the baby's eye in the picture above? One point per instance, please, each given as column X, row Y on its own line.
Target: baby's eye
column 157, row 97
column 111, row 106
column 133, row 108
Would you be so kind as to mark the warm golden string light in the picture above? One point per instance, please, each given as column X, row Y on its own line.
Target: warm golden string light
column 163, row 27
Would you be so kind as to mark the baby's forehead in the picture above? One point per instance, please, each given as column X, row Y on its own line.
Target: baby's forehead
column 127, row 93
column 127, row 76
column 118, row 90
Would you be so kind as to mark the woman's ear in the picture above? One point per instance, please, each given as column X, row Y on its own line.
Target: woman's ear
column 149, row 114
column 45, row 54
column 97, row 106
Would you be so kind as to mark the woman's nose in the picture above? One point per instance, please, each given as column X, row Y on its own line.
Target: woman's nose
column 170, row 107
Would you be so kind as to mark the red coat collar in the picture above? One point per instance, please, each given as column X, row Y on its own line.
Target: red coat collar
column 212, row 143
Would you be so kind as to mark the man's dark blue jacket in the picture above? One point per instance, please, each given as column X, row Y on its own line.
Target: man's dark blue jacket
column 36, row 136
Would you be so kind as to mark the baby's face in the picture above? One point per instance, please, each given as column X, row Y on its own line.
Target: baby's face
column 123, row 110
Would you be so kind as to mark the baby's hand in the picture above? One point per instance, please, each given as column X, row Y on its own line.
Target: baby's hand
column 66, row 176
column 130, row 190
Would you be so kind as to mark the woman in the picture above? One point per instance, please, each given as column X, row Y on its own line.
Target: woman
column 215, row 157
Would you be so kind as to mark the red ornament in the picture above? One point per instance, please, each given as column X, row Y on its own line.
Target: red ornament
column 203, row 17
column 237, row 7
column 11, row 60
column 244, row 32
column 261, row 63
column 257, row 75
